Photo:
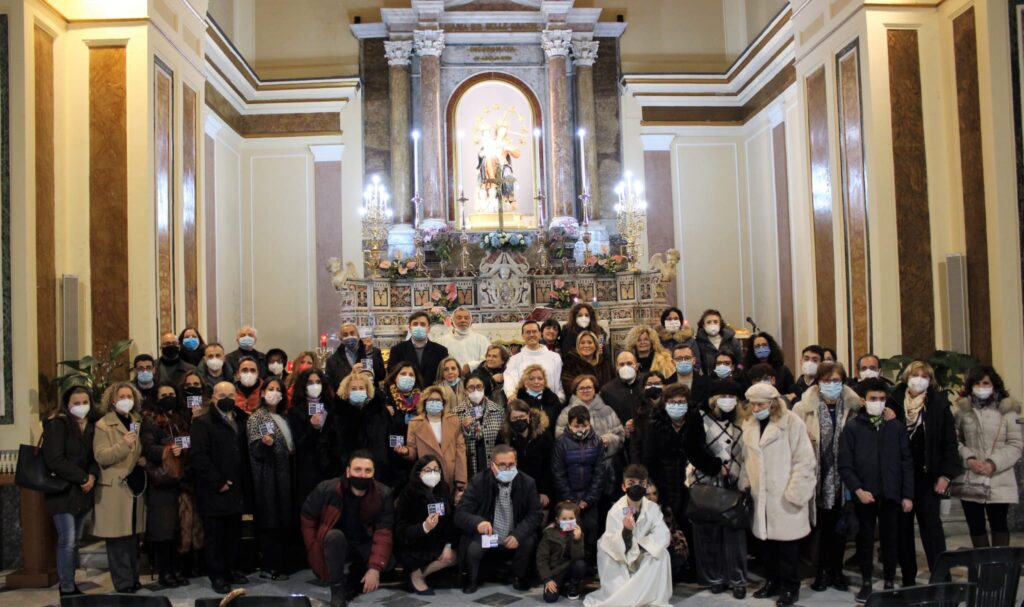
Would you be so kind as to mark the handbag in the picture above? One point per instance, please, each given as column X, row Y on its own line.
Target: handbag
column 168, row 473
column 32, row 472
column 714, row 505
column 974, row 487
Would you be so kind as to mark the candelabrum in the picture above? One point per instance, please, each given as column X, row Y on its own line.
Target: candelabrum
column 464, row 268
column 420, row 255
column 376, row 215
column 323, row 351
column 632, row 212
column 585, row 236
column 543, row 261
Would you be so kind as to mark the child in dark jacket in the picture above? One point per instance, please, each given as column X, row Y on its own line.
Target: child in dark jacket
column 580, row 473
column 877, row 467
column 560, row 561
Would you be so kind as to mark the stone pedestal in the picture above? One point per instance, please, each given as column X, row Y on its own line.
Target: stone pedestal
column 556, row 44
column 399, row 54
column 429, row 45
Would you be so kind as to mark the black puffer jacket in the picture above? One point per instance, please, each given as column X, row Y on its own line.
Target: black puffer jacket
column 876, row 460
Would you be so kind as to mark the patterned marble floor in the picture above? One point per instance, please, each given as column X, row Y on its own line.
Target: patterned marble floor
column 394, row 595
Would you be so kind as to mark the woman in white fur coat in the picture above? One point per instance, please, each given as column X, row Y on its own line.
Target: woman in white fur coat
column 779, row 471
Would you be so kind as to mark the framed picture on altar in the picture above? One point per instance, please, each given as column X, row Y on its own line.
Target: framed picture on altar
column 495, row 154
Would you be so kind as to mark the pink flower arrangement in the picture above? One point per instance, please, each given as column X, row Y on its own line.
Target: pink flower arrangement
column 563, row 297
column 399, row 268
column 604, row 264
column 446, row 297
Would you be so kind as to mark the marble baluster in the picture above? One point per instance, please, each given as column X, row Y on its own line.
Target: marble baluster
column 429, row 46
column 399, row 54
column 556, row 44
column 584, row 53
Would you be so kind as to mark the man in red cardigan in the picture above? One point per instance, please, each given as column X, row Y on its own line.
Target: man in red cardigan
column 347, row 523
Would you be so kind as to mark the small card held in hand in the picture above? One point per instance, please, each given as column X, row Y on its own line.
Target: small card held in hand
column 267, row 428
column 194, row 402
column 437, row 508
column 489, row 541
column 183, row 442
column 396, row 440
column 315, row 408
column 134, row 427
column 627, row 510
column 368, row 365
column 478, row 412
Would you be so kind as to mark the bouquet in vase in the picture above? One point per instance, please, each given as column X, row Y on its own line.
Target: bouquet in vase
column 503, row 241
column 604, row 264
column 562, row 296
column 446, row 298
column 398, row 269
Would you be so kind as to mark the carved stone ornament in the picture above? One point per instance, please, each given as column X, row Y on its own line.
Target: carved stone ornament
column 556, row 43
column 429, row 43
column 504, row 281
column 584, row 52
column 398, row 52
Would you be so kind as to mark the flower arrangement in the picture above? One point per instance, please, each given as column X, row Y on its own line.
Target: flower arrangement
column 503, row 241
column 440, row 238
column 446, row 297
column 562, row 235
column 604, row 264
column 438, row 316
column 563, row 297
column 398, row 268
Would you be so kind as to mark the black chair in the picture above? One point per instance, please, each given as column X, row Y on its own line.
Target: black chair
column 932, row 595
column 295, row 600
column 994, row 572
column 114, row 600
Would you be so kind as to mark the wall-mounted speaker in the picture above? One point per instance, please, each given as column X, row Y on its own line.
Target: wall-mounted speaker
column 956, row 299
column 69, row 317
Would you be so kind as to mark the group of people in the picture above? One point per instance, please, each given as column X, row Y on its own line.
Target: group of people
column 570, row 455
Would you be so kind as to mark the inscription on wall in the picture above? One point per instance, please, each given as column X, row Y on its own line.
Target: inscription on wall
column 494, row 54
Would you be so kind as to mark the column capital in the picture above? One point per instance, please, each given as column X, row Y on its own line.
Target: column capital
column 429, row 42
column 556, row 43
column 584, row 52
column 398, row 52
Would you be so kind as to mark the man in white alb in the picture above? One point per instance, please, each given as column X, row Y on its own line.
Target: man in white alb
column 466, row 345
column 534, row 353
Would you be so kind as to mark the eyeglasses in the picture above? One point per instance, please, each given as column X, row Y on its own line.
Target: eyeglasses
column 430, row 470
column 505, row 467
column 632, row 482
column 585, row 389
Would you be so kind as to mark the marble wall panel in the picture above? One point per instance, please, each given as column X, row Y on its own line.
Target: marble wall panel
column 658, row 185
column 821, row 199
column 189, row 195
column 45, row 253
column 376, row 107
column 210, row 235
column 163, row 126
column 787, row 333
column 7, row 405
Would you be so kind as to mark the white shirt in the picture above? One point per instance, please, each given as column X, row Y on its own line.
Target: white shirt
column 469, row 349
column 436, row 427
column 550, row 361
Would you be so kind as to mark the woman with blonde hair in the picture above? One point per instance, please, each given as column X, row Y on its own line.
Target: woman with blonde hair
column 436, row 431
column 535, row 390
column 779, row 472
column 120, row 507
column 364, row 422
column 449, row 373
column 586, row 358
column 645, row 345
column 924, row 407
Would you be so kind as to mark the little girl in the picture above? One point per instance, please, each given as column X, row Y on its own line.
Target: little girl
column 560, row 554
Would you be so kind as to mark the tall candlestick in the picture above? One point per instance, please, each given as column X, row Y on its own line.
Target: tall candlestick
column 458, row 163
column 536, row 178
column 583, row 161
column 416, row 163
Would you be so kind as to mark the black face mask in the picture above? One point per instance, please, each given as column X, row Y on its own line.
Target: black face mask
column 359, row 483
column 652, row 392
column 520, row 425
column 226, row 405
column 167, row 403
column 170, row 352
column 636, row 492
column 193, row 391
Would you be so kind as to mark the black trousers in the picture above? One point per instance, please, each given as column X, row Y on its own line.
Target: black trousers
column 589, row 522
column 926, row 511
column 975, row 514
column 123, row 560
column 831, row 545
column 223, row 534
column 340, row 555
column 885, row 516
column 574, row 573
column 472, row 553
column 720, row 554
column 166, row 553
column 782, row 563
column 273, row 548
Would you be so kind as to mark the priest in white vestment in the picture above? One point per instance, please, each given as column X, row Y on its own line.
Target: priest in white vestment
column 463, row 343
column 632, row 556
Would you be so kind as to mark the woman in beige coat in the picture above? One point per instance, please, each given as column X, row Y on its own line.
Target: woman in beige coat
column 779, row 471
column 120, row 511
column 824, row 409
column 989, row 441
column 437, row 431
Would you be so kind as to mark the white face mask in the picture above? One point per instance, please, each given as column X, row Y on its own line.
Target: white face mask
column 314, row 390
column 712, row 330
column 875, row 407
column 918, row 384
column 459, row 331
column 248, row 379
column 583, row 321
column 627, row 373
column 79, row 411
column 726, row 403
column 431, row 479
column 672, row 325
column 273, row 397
column 276, row 368
column 869, row 374
column 476, row 396
column 125, row 405
column 982, row 393
column 809, row 368
column 215, row 364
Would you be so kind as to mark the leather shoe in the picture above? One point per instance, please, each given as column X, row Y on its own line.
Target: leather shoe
column 338, row 596
column 76, row 592
column 718, row 588
column 167, row 581
column 238, row 579
column 739, row 593
column 821, row 581
column 840, row 583
column 888, row 585
column 768, row 590
column 181, row 580
column 520, row 584
column 470, row 588
column 220, row 586
column 788, row 597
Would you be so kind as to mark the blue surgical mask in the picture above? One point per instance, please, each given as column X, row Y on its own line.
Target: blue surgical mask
column 507, row 476
column 684, row 367
column 419, row 333
column 762, row 352
column 762, row 414
column 247, row 342
column 357, row 397
column 350, row 343
column 406, row 383
column 723, row 371
column 144, row 377
column 453, row 383
column 534, row 393
column 676, row 410
column 434, row 407
column 832, row 390
column 190, row 343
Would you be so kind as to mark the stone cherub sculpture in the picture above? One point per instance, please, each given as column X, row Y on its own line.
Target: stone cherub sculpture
column 339, row 277
column 666, row 265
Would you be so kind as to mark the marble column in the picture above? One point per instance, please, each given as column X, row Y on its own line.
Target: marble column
column 584, row 53
column 556, row 45
column 429, row 45
column 399, row 54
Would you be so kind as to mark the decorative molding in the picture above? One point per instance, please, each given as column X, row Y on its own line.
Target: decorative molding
column 584, row 52
column 327, row 153
column 398, row 52
column 271, row 125
column 656, row 142
column 429, row 43
column 556, row 43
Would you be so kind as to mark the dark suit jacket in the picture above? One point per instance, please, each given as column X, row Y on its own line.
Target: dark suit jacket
column 433, row 354
column 338, row 367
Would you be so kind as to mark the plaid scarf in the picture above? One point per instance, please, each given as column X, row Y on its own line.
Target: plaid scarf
column 503, row 511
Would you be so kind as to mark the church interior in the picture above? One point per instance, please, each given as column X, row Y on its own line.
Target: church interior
column 848, row 173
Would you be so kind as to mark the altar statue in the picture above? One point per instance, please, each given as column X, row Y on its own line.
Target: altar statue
column 494, row 165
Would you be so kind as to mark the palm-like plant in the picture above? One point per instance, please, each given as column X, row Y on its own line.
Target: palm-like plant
column 93, row 373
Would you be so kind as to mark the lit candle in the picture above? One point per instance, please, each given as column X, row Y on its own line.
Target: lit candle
column 323, row 340
column 416, row 163
column 583, row 161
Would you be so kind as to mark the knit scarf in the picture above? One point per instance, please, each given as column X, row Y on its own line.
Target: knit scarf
column 405, row 404
column 828, row 475
column 913, row 405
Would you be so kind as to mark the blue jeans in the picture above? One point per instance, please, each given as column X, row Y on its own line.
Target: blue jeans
column 69, row 534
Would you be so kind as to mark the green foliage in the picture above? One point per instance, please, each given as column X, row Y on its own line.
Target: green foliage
column 93, row 373
column 949, row 367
